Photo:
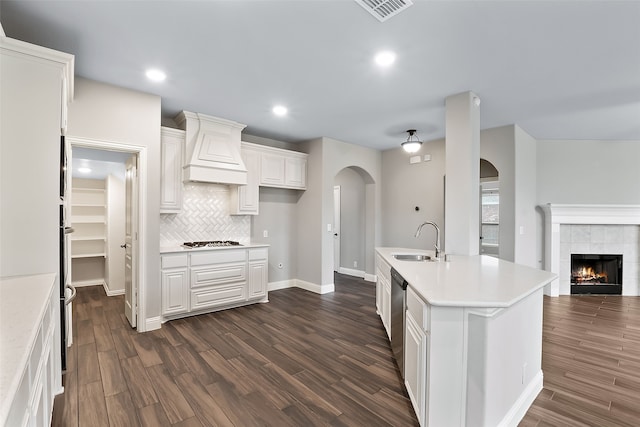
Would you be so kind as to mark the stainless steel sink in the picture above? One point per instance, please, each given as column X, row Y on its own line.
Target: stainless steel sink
column 412, row 257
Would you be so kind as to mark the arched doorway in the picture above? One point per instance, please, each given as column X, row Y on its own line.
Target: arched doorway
column 489, row 209
column 353, row 220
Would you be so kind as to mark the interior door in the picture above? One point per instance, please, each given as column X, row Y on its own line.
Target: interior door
column 131, row 242
column 336, row 228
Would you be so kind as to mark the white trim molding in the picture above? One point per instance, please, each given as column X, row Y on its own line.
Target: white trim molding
column 557, row 214
column 152, row 323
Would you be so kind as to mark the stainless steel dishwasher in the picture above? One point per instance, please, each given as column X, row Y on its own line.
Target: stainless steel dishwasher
column 398, row 307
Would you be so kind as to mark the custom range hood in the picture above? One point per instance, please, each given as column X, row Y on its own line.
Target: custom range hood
column 212, row 149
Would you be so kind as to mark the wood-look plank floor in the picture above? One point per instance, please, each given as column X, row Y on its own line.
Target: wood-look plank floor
column 305, row 359
column 591, row 363
column 301, row 360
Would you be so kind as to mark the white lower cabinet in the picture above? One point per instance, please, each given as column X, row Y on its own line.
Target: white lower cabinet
column 204, row 280
column 416, row 352
column 415, row 359
column 383, row 293
column 175, row 291
column 257, row 274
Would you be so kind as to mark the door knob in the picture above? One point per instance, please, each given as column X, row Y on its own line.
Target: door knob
column 123, row 246
column 335, row 234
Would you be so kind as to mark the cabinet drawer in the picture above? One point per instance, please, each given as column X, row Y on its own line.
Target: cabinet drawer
column 419, row 309
column 218, row 257
column 256, row 254
column 217, row 296
column 207, row 276
column 174, row 261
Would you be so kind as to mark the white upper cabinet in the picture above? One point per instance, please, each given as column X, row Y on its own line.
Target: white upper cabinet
column 279, row 168
column 244, row 199
column 171, row 143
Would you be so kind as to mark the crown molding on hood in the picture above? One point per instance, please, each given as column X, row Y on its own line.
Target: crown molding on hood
column 212, row 149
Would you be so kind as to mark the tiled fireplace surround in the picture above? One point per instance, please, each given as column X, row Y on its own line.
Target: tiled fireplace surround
column 592, row 229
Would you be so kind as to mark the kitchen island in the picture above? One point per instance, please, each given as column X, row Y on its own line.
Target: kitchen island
column 472, row 336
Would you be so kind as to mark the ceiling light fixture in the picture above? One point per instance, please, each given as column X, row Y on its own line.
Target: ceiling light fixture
column 84, row 170
column 156, row 75
column 280, row 110
column 385, row 58
column 412, row 144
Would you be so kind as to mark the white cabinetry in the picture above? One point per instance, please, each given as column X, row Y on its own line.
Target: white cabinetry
column 383, row 292
column 279, row 168
column 28, row 350
column 171, row 144
column 209, row 280
column 257, row 274
column 416, row 345
column 175, row 283
column 245, row 198
column 218, row 278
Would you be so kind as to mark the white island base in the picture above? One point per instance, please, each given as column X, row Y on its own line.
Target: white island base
column 484, row 365
column 473, row 337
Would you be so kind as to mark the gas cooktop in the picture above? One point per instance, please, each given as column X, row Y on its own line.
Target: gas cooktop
column 211, row 244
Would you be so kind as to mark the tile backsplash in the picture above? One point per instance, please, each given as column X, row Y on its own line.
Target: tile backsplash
column 204, row 216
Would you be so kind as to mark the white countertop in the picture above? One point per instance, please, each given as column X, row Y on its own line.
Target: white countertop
column 468, row 281
column 23, row 300
column 180, row 248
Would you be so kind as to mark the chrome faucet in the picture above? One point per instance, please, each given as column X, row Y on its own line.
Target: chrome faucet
column 437, row 245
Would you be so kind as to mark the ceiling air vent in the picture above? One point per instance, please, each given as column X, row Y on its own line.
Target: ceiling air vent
column 384, row 9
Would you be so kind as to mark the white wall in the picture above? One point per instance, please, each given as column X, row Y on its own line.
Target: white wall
column 315, row 243
column 406, row 186
column 279, row 217
column 585, row 172
column 103, row 112
column 525, row 200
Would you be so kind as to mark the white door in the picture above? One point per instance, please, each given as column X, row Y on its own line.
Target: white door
column 336, row 228
column 131, row 241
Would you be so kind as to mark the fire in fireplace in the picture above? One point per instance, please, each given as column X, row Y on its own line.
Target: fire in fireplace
column 596, row 274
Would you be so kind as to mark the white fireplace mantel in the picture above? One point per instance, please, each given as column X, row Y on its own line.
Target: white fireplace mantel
column 557, row 214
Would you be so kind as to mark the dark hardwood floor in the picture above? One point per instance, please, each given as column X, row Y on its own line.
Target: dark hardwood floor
column 590, row 361
column 302, row 359
column 306, row 359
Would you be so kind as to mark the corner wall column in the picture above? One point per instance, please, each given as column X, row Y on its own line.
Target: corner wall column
column 462, row 193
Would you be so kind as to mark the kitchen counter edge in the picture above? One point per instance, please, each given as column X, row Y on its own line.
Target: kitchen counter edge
column 439, row 284
column 180, row 249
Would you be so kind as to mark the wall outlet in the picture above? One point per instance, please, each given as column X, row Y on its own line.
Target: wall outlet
column 328, row 227
column 355, row 264
column 265, row 233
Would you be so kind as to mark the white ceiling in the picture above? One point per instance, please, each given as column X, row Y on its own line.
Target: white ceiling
column 559, row 69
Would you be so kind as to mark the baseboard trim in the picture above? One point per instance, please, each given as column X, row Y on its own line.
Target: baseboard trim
column 525, row 400
column 351, row 272
column 370, row 277
column 313, row 287
column 152, row 323
column 297, row 283
column 282, row 284
column 85, row 283
column 110, row 292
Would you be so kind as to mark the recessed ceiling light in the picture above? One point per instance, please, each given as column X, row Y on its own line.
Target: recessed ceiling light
column 385, row 58
column 280, row 110
column 84, row 170
column 156, row 75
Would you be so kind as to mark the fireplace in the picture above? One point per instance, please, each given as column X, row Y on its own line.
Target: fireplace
column 596, row 274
